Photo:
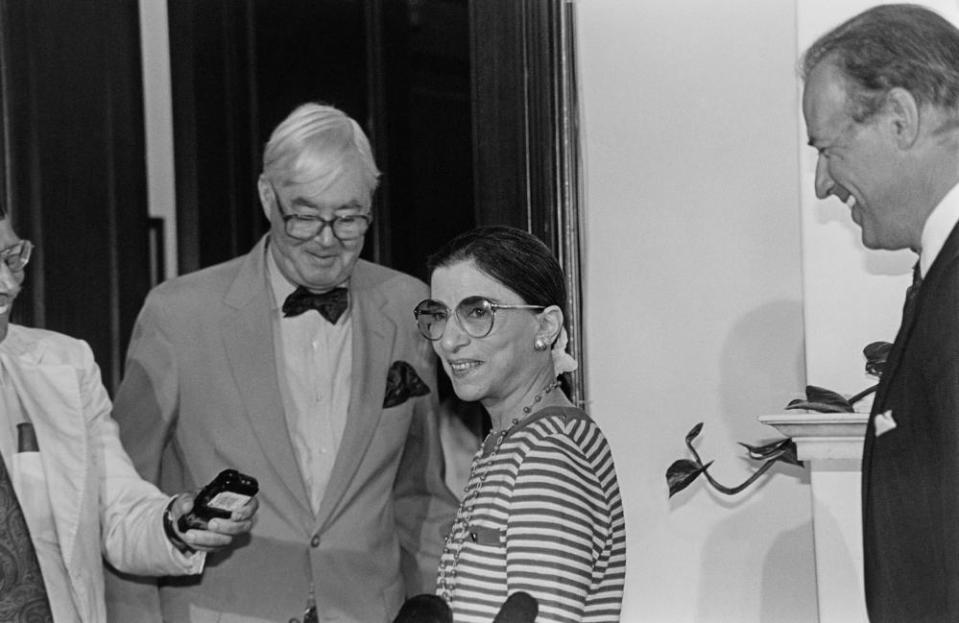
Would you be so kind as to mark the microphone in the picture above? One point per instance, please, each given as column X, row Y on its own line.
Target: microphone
column 424, row 608
column 520, row 607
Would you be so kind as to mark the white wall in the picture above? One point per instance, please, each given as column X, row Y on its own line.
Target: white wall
column 694, row 293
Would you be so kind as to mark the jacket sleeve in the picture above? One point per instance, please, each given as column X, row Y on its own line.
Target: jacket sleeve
column 130, row 508
column 424, row 506
column 144, row 409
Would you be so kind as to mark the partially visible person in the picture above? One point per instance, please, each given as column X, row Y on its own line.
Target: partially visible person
column 541, row 512
column 298, row 364
column 881, row 103
column 69, row 495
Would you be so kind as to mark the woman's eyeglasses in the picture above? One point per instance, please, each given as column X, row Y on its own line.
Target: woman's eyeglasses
column 475, row 314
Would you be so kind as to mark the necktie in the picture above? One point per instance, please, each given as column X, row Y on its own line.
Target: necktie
column 913, row 289
column 23, row 596
column 909, row 308
column 330, row 304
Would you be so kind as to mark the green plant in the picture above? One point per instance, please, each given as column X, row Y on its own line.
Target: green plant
column 828, row 401
column 684, row 472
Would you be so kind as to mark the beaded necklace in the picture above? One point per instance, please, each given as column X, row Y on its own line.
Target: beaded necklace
column 459, row 532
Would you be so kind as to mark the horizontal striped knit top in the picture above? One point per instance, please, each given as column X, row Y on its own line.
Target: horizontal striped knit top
column 542, row 514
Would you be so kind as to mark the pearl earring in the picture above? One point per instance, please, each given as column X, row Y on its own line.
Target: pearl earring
column 540, row 344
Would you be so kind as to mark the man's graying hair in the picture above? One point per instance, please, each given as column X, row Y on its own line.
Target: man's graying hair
column 888, row 46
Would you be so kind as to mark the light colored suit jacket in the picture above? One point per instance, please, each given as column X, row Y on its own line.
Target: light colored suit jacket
column 201, row 394
column 99, row 502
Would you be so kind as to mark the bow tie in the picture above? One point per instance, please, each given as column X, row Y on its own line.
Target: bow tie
column 330, row 304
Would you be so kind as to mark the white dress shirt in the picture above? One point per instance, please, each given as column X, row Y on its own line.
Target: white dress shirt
column 314, row 361
column 939, row 224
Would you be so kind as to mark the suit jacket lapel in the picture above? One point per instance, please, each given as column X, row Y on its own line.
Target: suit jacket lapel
column 50, row 395
column 373, row 335
column 929, row 285
column 248, row 340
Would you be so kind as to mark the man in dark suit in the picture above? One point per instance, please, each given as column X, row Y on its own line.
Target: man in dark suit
column 330, row 403
column 881, row 103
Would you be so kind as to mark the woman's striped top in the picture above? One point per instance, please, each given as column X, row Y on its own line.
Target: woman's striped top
column 541, row 514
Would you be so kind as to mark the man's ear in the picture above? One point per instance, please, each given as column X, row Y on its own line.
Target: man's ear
column 267, row 196
column 550, row 324
column 902, row 111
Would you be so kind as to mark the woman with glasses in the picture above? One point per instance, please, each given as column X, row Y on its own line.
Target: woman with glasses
column 541, row 512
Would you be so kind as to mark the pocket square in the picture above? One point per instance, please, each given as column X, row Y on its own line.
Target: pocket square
column 402, row 383
column 884, row 423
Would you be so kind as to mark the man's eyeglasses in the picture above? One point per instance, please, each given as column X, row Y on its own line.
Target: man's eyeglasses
column 308, row 226
column 475, row 315
column 17, row 256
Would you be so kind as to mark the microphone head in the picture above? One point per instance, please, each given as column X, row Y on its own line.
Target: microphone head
column 424, row 608
column 520, row 607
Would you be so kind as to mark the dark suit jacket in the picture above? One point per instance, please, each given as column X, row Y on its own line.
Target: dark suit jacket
column 910, row 474
column 200, row 394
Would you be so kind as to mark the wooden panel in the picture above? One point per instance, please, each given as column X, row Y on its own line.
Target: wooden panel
column 215, row 117
column 72, row 95
column 428, row 161
column 500, row 123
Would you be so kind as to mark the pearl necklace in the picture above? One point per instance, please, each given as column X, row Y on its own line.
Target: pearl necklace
column 459, row 531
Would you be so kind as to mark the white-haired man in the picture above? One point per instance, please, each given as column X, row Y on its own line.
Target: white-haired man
column 299, row 364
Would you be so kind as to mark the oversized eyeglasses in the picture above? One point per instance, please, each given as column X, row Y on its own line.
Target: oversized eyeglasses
column 308, row 226
column 475, row 314
column 17, row 256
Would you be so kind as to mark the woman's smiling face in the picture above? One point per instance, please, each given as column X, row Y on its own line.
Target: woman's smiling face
column 492, row 368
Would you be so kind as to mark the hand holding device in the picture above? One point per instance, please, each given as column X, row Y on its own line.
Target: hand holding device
column 228, row 492
column 230, row 499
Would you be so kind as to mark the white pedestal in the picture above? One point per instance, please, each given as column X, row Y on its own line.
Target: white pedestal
column 831, row 446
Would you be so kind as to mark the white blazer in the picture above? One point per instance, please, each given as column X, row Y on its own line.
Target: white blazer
column 93, row 487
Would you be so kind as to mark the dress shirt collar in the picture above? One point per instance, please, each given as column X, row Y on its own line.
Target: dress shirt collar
column 937, row 228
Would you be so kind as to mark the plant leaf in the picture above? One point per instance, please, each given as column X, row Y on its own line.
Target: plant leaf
column 681, row 474
column 768, row 451
column 876, row 355
column 821, row 407
column 827, row 396
column 822, row 400
column 789, row 453
column 693, row 433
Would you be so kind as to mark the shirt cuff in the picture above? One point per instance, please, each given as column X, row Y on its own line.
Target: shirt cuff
column 187, row 558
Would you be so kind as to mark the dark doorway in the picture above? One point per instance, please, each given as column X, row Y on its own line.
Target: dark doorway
column 401, row 68
column 470, row 105
column 73, row 168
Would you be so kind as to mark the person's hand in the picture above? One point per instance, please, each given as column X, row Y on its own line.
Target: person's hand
column 219, row 532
